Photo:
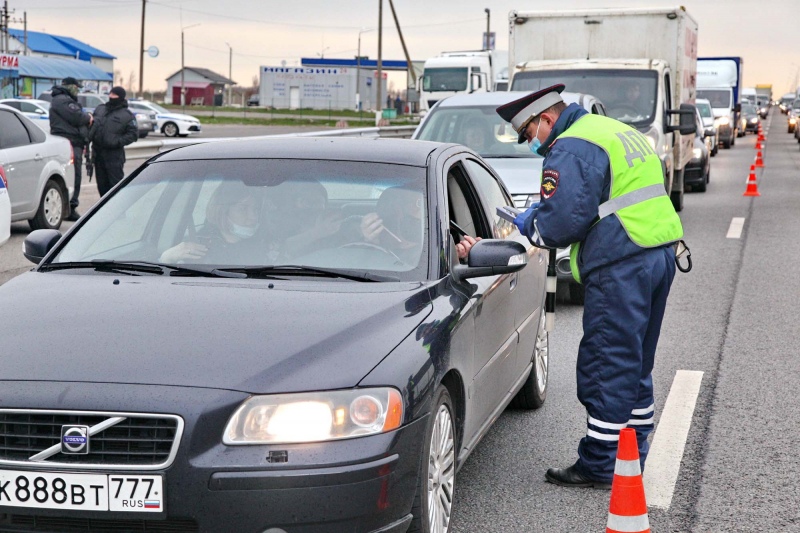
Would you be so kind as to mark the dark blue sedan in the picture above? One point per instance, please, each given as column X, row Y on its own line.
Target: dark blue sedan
column 268, row 335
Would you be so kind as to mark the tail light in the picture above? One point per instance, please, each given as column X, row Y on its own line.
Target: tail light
column 3, row 177
column 71, row 154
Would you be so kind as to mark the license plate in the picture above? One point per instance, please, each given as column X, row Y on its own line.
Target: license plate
column 83, row 492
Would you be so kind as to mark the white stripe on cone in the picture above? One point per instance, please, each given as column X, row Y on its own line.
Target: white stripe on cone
column 627, row 468
column 628, row 524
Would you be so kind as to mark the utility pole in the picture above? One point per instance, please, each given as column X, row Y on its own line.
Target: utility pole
column 380, row 56
column 403, row 42
column 5, row 16
column 487, row 43
column 141, row 53
column 183, row 69
column 230, row 74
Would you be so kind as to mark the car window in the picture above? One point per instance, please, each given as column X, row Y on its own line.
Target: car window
column 12, row 132
column 464, row 204
column 15, row 105
column 477, row 127
column 328, row 214
column 493, row 195
column 27, row 107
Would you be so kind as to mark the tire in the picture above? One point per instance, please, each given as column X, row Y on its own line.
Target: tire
column 715, row 150
column 700, row 187
column 52, row 206
column 727, row 143
column 170, row 129
column 440, row 423
column 534, row 392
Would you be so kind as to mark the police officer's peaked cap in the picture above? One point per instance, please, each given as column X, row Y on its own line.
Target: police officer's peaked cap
column 69, row 80
column 520, row 112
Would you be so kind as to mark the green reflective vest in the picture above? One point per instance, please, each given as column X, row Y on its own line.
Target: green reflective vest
column 638, row 198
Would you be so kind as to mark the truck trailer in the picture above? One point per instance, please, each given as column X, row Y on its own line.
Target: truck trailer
column 719, row 80
column 641, row 63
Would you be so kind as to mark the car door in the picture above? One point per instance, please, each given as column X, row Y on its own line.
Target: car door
column 527, row 286
column 494, row 348
column 22, row 161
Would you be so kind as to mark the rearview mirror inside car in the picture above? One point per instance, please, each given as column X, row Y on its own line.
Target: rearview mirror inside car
column 38, row 243
column 491, row 257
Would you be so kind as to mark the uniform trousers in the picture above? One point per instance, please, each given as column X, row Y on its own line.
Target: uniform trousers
column 623, row 310
column 109, row 168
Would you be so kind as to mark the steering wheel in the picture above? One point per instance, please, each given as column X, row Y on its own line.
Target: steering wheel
column 373, row 247
column 622, row 110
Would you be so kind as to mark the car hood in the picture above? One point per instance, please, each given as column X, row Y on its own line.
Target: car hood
column 177, row 116
column 255, row 336
column 521, row 175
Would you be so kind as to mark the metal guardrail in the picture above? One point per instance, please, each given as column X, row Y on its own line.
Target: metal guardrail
column 147, row 149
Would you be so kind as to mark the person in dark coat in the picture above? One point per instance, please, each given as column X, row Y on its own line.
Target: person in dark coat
column 114, row 128
column 69, row 120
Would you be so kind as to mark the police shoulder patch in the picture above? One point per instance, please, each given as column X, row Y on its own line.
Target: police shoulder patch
column 74, row 107
column 549, row 183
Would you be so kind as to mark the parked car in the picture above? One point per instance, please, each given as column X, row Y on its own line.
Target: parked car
column 698, row 170
column 89, row 101
column 707, row 115
column 254, row 100
column 751, row 118
column 471, row 120
column 146, row 121
column 344, row 381
column 38, row 171
column 38, row 111
column 169, row 123
column 5, row 208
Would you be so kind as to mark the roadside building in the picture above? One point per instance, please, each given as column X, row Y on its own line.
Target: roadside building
column 318, row 87
column 39, row 44
column 9, row 73
column 203, row 87
column 29, row 76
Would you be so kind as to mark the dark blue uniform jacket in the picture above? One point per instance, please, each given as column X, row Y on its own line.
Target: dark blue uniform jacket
column 581, row 173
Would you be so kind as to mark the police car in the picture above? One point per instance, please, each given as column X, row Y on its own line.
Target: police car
column 169, row 123
column 5, row 208
column 38, row 111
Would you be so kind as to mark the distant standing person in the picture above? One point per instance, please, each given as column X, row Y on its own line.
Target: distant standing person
column 68, row 120
column 114, row 129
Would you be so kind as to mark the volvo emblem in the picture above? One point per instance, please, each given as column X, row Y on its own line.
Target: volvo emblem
column 75, row 440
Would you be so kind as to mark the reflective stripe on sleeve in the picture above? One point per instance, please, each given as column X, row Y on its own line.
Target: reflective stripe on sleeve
column 601, row 436
column 640, row 421
column 631, row 198
column 605, row 425
column 644, row 411
column 628, row 524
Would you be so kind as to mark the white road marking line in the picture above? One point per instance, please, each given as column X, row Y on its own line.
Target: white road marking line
column 664, row 460
column 736, row 227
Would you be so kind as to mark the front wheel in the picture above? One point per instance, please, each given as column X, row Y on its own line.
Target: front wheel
column 534, row 392
column 52, row 205
column 170, row 129
column 433, row 502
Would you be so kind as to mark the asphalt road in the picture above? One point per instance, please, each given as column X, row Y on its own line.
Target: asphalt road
column 732, row 318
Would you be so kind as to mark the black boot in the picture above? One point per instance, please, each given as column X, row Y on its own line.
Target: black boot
column 73, row 216
column 570, row 477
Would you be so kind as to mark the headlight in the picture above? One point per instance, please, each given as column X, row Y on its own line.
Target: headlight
column 753, row 120
column 697, row 153
column 315, row 416
column 723, row 121
column 792, row 120
column 141, row 116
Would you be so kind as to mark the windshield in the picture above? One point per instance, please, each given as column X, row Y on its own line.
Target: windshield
column 246, row 213
column 719, row 98
column 479, row 128
column 156, row 107
column 749, row 109
column 628, row 95
column 445, row 79
column 705, row 110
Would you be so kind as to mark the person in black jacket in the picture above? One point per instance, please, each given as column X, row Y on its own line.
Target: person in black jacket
column 114, row 128
column 68, row 120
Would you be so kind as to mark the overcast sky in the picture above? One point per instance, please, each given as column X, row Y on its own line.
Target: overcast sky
column 266, row 32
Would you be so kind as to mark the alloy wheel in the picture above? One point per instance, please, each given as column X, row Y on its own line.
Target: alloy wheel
column 441, row 472
column 541, row 356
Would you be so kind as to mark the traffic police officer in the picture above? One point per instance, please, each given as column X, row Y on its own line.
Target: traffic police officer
column 602, row 192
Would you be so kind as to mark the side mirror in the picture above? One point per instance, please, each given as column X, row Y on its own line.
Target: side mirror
column 38, row 244
column 39, row 111
column 709, row 132
column 686, row 120
column 492, row 257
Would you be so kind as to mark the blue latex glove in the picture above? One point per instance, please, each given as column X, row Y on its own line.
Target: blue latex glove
column 523, row 219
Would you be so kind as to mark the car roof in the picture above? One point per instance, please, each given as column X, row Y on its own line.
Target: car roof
column 392, row 151
column 498, row 98
column 703, row 101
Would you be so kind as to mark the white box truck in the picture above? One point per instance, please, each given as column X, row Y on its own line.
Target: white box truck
column 719, row 80
column 452, row 73
column 641, row 63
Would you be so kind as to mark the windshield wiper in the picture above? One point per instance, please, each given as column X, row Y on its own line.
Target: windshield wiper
column 299, row 270
column 110, row 265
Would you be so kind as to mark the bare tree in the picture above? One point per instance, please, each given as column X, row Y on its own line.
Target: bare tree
column 117, row 77
column 132, row 82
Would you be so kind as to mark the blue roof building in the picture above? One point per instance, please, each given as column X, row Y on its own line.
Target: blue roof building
column 47, row 45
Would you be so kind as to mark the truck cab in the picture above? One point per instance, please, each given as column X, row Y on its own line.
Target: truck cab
column 466, row 72
column 636, row 92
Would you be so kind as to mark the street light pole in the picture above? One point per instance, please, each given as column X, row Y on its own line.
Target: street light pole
column 379, row 98
column 141, row 53
column 358, row 71
column 183, row 68
column 487, row 44
column 230, row 73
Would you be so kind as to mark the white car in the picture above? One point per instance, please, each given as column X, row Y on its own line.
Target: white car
column 169, row 123
column 36, row 110
column 5, row 208
column 38, row 171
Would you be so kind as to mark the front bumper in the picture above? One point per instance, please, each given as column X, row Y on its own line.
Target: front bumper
column 356, row 485
column 694, row 173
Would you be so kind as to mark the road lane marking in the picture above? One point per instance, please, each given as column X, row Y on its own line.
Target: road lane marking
column 664, row 460
column 736, row 227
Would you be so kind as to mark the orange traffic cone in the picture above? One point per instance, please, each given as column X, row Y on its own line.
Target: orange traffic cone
column 761, row 136
column 752, row 185
column 628, row 509
column 758, row 145
column 759, row 160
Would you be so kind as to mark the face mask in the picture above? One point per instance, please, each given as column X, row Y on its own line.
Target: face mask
column 535, row 144
column 73, row 90
column 243, row 232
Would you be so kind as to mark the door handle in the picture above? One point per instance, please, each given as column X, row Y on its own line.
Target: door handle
column 37, row 157
column 513, row 283
column 541, row 258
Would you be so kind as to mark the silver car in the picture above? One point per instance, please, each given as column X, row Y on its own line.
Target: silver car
column 471, row 120
column 38, row 168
